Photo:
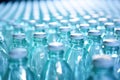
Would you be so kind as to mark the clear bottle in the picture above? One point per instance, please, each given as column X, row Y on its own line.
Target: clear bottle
column 40, row 28
column 64, row 37
column 93, row 24
column 52, row 33
column 95, row 42
column 19, row 40
column 56, row 68
column 64, row 22
column 101, row 26
column 117, row 33
column 74, row 23
column 117, row 22
column 109, row 31
column 102, row 68
column 84, row 28
column 3, row 41
column 111, row 47
column 38, row 56
column 77, row 56
column 18, row 69
column 8, row 31
column 29, row 29
column 3, row 58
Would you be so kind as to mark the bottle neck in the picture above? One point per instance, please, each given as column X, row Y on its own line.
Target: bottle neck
column 40, row 42
column 18, row 30
column 110, row 31
column 78, row 43
column 56, row 55
column 53, row 30
column 96, row 39
column 65, row 35
column 103, row 71
column 111, row 50
column 20, row 43
column 16, row 63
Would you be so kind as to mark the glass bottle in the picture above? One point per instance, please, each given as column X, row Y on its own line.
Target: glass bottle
column 84, row 28
column 74, row 23
column 95, row 42
column 3, row 59
column 18, row 69
column 93, row 24
column 64, row 22
column 40, row 28
column 19, row 40
column 109, row 31
column 52, row 34
column 102, row 68
column 38, row 56
column 76, row 56
column 3, row 41
column 101, row 26
column 64, row 36
column 111, row 47
column 117, row 33
column 56, row 68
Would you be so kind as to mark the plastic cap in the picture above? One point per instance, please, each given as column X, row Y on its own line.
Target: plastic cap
column 92, row 22
column 65, row 29
column 117, row 21
column 74, row 20
column 77, row 36
column 111, row 42
column 19, row 36
column 18, row 53
column 32, row 21
column 39, row 34
column 102, row 20
column 94, row 32
column 46, row 19
column 84, row 26
column 109, row 25
column 86, row 17
column 40, row 26
column 59, row 17
column 117, row 30
column 53, row 24
column 55, row 46
column 102, row 61
column 95, row 15
column 64, row 21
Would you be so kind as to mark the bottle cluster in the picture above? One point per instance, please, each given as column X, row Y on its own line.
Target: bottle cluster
column 84, row 46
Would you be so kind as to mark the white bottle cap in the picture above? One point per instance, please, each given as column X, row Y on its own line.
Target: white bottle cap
column 111, row 42
column 86, row 17
column 102, row 61
column 74, row 20
column 102, row 20
column 18, row 53
column 77, row 36
column 109, row 25
column 39, row 34
column 94, row 33
column 117, row 30
column 64, row 21
column 53, row 24
column 92, row 22
column 40, row 26
column 84, row 26
column 19, row 36
column 65, row 29
column 55, row 46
